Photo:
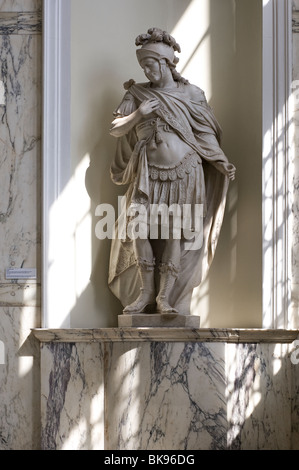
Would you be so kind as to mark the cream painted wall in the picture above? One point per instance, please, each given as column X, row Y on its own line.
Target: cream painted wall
column 221, row 52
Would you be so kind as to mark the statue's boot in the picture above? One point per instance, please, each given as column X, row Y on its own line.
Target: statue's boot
column 168, row 276
column 147, row 290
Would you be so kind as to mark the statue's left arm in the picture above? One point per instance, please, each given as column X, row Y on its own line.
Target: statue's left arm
column 212, row 133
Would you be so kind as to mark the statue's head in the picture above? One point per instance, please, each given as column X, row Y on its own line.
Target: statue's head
column 161, row 46
column 156, row 51
column 157, row 44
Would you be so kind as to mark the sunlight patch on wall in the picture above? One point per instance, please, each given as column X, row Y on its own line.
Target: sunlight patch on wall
column 83, row 229
column 70, row 245
column 200, row 302
column 192, row 33
column 25, row 366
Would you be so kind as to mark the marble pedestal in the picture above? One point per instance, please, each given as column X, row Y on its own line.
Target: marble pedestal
column 169, row 389
column 156, row 320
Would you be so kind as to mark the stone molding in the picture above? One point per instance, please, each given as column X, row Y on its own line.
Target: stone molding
column 219, row 335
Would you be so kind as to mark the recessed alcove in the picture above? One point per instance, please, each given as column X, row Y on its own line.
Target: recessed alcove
column 224, row 56
column 232, row 384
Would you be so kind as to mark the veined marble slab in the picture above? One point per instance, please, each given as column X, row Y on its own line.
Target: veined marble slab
column 18, row 294
column 20, row 5
column 20, row 23
column 259, row 392
column 169, row 396
column 19, row 380
column 166, row 396
column 20, row 161
column 72, row 405
column 20, row 157
column 87, row 335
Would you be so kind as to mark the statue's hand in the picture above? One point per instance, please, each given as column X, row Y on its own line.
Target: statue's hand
column 149, row 106
column 231, row 172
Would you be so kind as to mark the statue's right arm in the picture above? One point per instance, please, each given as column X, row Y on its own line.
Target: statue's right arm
column 122, row 125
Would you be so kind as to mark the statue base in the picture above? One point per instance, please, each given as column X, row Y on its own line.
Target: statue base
column 156, row 320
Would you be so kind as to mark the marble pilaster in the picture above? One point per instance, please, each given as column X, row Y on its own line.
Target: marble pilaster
column 20, row 156
column 20, row 152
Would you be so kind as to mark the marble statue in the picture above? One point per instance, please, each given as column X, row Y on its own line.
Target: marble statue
column 168, row 154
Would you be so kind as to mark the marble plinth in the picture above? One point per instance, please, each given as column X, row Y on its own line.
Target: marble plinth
column 186, row 335
column 156, row 320
column 120, row 390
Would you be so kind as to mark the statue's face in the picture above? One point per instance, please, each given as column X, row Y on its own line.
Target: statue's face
column 152, row 69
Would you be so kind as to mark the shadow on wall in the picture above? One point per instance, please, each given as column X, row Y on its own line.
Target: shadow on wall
column 101, row 190
column 232, row 293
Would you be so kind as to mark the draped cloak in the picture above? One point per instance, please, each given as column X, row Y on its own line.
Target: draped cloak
column 195, row 123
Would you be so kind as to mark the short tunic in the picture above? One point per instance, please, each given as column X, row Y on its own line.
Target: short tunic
column 182, row 184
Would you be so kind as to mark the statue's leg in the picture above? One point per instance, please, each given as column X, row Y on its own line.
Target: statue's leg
column 168, row 276
column 168, row 269
column 146, row 267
